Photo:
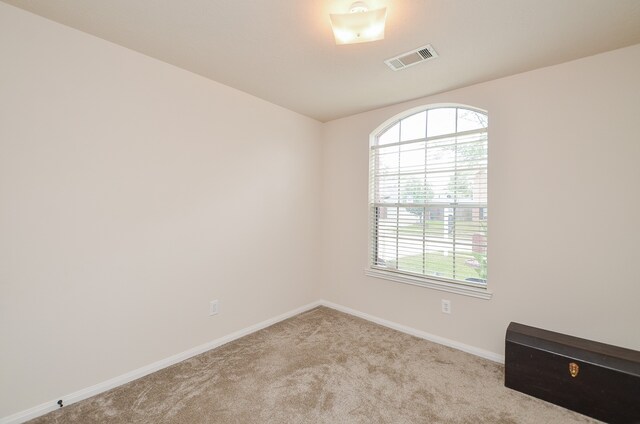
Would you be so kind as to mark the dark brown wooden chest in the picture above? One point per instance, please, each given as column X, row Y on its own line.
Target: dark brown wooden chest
column 595, row 379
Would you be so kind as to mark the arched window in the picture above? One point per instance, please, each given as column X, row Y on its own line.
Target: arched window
column 428, row 199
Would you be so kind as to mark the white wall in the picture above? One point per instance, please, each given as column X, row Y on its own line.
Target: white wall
column 131, row 194
column 564, row 201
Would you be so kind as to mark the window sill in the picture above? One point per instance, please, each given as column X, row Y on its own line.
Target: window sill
column 476, row 292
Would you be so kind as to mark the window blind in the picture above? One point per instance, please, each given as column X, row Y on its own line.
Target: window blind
column 428, row 196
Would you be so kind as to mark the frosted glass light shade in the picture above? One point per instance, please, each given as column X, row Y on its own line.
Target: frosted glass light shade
column 359, row 27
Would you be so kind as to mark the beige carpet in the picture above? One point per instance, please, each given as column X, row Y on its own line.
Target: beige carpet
column 322, row 366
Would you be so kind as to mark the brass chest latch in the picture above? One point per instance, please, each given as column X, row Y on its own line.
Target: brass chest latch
column 574, row 369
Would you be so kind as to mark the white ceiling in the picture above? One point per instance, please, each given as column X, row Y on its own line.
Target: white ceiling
column 283, row 50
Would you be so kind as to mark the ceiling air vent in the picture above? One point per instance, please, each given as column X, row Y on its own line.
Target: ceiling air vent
column 411, row 58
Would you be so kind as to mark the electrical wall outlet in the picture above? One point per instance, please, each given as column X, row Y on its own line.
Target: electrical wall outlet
column 213, row 307
column 446, row 306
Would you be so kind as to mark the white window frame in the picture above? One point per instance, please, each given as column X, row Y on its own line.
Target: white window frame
column 457, row 287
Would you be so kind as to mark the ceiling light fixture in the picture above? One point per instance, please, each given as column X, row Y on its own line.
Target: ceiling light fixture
column 360, row 25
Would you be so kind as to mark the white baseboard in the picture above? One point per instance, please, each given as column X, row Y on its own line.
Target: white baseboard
column 418, row 333
column 85, row 393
